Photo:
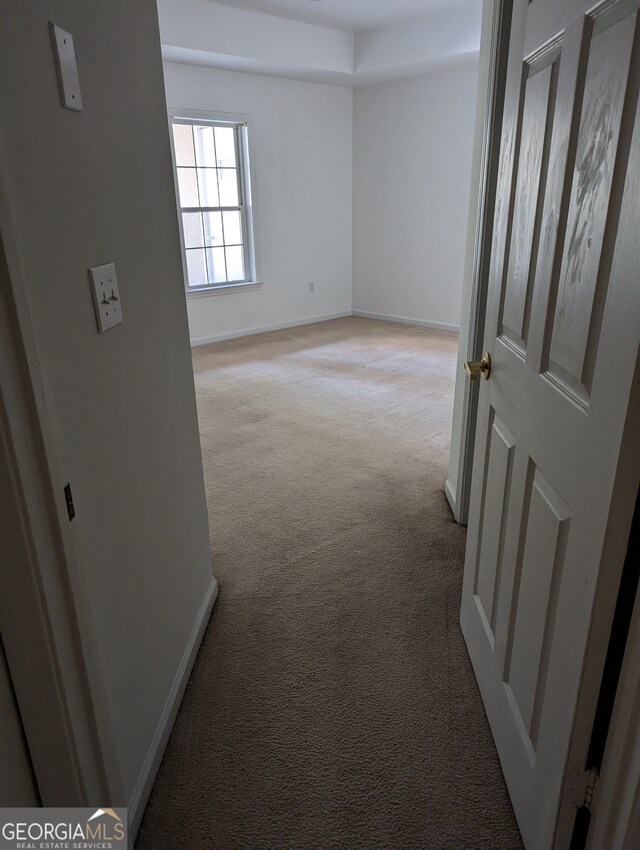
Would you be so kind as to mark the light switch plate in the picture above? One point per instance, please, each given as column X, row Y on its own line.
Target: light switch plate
column 68, row 80
column 106, row 297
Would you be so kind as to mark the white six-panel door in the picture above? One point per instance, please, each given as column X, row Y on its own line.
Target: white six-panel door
column 563, row 332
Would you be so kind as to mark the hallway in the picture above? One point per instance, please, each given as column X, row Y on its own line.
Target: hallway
column 332, row 704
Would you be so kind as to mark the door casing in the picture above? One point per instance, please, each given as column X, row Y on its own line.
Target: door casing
column 45, row 617
column 459, row 491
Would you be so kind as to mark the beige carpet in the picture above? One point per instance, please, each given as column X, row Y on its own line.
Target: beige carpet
column 332, row 704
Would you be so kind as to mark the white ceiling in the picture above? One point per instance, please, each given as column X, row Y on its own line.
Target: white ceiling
column 349, row 15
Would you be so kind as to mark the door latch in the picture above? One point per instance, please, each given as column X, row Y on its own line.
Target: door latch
column 473, row 368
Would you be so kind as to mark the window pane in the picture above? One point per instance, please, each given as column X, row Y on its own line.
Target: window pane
column 232, row 228
column 187, row 187
column 228, row 181
column 205, row 150
column 217, row 268
column 192, row 229
column 235, row 263
column 209, row 162
column 225, row 147
column 196, row 267
column 183, row 144
column 213, row 228
column 208, row 186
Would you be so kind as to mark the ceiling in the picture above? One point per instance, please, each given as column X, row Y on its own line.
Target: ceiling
column 349, row 15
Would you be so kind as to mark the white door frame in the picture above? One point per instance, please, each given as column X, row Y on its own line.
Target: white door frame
column 621, row 511
column 615, row 812
column 45, row 617
column 474, row 334
column 627, row 480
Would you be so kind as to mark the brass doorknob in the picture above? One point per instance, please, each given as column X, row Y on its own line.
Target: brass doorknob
column 474, row 367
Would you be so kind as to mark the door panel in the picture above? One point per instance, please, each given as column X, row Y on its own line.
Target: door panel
column 544, row 536
column 607, row 74
column 496, row 497
column 517, row 298
column 551, row 416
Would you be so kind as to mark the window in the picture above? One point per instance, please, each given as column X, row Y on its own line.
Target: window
column 214, row 200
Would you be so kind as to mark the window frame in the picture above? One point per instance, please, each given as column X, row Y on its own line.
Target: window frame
column 241, row 124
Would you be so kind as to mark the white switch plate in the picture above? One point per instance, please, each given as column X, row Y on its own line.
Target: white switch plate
column 106, row 298
column 68, row 79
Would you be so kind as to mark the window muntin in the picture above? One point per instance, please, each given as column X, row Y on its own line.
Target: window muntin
column 212, row 188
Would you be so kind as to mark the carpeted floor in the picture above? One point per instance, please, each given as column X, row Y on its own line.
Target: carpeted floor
column 332, row 704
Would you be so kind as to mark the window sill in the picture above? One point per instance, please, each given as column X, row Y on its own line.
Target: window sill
column 227, row 288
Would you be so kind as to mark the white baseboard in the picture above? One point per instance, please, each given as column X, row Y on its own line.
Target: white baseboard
column 404, row 320
column 265, row 328
column 143, row 787
column 450, row 493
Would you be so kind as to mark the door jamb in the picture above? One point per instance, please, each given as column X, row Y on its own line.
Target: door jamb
column 611, row 730
column 618, row 534
column 616, row 805
column 491, row 143
column 45, row 618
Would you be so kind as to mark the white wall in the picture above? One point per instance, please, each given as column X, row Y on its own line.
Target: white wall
column 81, row 189
column 413, row 142
column 301, row 140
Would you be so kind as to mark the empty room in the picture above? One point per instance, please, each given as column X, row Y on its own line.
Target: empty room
column 319, row 424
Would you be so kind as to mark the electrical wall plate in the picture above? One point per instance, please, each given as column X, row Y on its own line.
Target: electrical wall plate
column 68, row 80
column 106, row 297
